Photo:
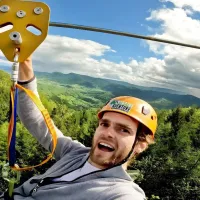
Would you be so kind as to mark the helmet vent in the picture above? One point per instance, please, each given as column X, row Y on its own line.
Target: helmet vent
column 153, row 117
column 145, row 110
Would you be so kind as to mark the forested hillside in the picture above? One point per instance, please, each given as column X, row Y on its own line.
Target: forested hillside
column 91, row 90
column 168, row 170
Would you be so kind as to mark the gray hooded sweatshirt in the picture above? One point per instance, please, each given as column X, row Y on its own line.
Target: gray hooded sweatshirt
column 109, row 184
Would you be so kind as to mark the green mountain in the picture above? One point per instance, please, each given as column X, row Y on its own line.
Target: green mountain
column 88, row 81
column 80, row 91
column 84, row 91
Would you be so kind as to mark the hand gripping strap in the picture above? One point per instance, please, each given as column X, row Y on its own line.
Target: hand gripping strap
column 47, row 119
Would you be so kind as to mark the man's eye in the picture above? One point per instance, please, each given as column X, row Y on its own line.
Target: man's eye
column 104, row 124
column 124, row 130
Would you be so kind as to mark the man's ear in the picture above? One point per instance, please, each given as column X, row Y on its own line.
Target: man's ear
column 140, row 147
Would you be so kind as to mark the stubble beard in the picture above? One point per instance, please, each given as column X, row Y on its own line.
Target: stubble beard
column 106, row 163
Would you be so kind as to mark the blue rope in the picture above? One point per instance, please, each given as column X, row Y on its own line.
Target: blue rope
column 12, row 150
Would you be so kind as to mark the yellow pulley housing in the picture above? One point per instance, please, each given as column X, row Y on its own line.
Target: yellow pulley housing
column 22, row 15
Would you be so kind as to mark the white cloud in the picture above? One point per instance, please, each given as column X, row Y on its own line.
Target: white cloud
column 181, row 63
column 5, row 28
column 5, row 62
column 194, row 4
column 64, row 54
column 176, row 25
column 1, row 54
column 188, row 11
column 68, row 56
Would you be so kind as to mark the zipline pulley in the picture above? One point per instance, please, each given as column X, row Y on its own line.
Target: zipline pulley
column 22, row 15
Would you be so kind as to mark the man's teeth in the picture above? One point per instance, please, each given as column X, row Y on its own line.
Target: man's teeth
column 106, row 145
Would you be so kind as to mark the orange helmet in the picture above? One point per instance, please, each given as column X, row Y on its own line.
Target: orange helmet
column 134, row 108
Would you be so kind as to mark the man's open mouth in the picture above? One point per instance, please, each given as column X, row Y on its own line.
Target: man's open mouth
column 105, row 147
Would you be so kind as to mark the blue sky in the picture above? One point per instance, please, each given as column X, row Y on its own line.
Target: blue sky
column 128, row 16
column 127, row 59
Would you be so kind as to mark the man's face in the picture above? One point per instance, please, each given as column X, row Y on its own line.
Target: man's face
column 113, row 140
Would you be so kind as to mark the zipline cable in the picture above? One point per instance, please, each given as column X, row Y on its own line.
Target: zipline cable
column 108, row 31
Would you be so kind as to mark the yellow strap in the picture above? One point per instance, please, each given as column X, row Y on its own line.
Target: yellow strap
column 47, row 119
column 11, row 124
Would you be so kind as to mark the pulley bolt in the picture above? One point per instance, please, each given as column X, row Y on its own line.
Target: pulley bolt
column 38, row 10
column 16, row 37
column 21, row 14
column 4, row 8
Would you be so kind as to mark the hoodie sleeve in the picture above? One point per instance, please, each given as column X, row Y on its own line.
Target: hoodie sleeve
column 127, row 197
column 33, row 120
column 123, row 191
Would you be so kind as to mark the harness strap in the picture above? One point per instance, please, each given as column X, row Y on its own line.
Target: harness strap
column 12, row 127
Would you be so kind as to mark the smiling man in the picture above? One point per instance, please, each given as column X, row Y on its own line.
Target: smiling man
column 113, row 139
column 126, row 127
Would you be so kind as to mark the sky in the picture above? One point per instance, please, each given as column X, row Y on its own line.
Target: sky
column 132, row 60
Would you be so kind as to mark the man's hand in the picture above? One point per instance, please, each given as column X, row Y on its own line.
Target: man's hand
column 26, row 70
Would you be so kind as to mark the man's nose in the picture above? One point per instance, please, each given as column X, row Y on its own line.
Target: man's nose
column 110, row 132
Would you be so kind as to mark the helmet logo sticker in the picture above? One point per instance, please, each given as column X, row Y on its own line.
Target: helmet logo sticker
column 120, row 105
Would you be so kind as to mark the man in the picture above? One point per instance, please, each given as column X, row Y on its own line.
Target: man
column 126, row 126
